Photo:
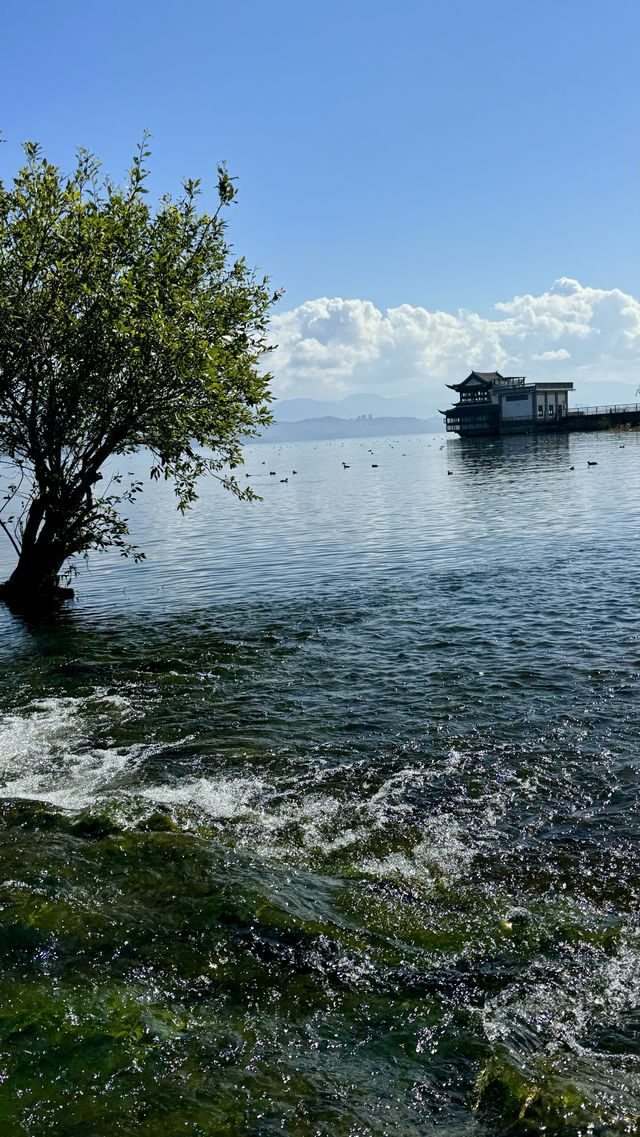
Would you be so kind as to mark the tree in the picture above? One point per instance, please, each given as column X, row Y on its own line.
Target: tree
column 121, row 327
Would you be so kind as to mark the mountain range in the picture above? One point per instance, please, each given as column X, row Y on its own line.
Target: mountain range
column 363, row 426
column 380, row 406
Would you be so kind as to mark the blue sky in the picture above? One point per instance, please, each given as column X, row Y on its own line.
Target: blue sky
column 437, row 155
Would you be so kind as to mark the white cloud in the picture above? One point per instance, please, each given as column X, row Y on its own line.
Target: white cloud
column 561, row 353
column 329, row 348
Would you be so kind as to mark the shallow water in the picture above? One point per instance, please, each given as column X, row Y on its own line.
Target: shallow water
column 324, row 820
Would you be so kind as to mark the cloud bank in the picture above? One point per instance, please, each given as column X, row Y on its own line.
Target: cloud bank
column 330, row 348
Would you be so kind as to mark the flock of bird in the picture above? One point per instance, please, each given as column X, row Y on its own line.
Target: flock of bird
column 375, row 466
column 345, row 466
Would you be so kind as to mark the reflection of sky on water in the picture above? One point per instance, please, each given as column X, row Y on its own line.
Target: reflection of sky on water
column 431, row 503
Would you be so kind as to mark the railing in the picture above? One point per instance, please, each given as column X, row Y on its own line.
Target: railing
column 621, row 408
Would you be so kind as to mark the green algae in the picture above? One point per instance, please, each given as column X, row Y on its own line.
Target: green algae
column 558, row 1098
column 148, row 964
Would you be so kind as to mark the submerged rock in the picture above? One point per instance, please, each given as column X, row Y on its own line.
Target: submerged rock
column 561, row 1098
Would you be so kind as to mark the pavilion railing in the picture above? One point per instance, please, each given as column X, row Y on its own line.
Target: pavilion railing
column 611, row 410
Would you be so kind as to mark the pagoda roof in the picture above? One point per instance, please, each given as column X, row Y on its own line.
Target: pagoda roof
column 486, row 378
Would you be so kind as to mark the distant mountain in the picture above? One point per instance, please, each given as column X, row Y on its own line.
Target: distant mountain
column 330, row 426
column 381, row 406
column 586, row 393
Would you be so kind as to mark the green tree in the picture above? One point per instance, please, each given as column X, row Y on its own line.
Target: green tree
column 121, row 327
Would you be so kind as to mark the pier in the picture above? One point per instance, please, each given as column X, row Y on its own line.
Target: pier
column 604, row 418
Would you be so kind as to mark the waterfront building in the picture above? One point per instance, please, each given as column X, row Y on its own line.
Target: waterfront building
column 491, row 403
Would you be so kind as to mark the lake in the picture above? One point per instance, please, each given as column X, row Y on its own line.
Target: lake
column 323, row 821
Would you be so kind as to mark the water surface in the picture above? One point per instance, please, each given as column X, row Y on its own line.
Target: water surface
column 324, row 820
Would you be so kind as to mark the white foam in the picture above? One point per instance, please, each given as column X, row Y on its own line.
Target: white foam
column 440, row 855
column 218, row 798
column 61, row 750
column 47, row 752
column 584, row 994
column 277, row 822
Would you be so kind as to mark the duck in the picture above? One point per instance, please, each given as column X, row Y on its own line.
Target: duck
column 591, row 463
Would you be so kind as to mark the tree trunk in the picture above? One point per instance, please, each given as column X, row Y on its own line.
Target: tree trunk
column 35, row 581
